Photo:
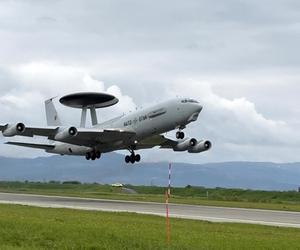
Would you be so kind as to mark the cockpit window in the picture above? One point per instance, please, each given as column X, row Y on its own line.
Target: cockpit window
column 189, row 101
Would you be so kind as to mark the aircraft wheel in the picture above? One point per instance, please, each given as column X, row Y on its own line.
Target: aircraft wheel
column 127, row 159
column 180, row 135
column 98, row 155
column 93, row 156
column 88, row 156
column 132, row 158
column 137, row 158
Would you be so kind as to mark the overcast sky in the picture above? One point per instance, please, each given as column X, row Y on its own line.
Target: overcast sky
column 240, row 59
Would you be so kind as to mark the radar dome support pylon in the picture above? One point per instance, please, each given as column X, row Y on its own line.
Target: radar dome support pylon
column 94, row 117
column 91, row 101
column 83, row 117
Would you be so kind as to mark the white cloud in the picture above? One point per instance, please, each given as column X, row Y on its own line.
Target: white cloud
column 126, row 102
column 228, row 123
column 42, row 80
column 91, row 84
column 245, row 65
column 236, row 120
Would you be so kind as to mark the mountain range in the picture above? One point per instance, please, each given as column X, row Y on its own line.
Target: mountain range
column 112, row 168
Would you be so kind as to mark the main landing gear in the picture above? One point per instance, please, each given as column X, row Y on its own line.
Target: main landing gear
column 133, row 158
column 180, row 135
column 93, row 155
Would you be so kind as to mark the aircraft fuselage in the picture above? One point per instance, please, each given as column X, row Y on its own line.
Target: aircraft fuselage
column 148, row 122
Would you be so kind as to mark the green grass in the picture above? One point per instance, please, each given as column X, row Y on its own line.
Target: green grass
column 288, row 201
column 24, row 227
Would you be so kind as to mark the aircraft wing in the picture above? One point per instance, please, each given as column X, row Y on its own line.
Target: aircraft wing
column 84, row 136
column 32, row 145
column 157, row 140
column 92, row 137
column 32, row 131
column 40, row 131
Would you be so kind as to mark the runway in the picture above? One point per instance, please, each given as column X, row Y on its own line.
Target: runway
column 206, row 213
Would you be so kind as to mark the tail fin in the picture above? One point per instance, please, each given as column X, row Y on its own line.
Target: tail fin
column 51, row 113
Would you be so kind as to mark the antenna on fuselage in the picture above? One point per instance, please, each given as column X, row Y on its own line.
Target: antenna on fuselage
column 91, row 101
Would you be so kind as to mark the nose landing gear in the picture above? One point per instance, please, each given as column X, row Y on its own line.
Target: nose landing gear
column 180, row 135
column 93, row 155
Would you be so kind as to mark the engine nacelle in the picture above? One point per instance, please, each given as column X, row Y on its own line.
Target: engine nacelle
column 185, row 145
column 69, row 149
column 200, row 147
column 66, row 134
column 13, row 130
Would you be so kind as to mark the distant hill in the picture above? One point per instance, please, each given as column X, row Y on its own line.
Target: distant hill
column 111, row 168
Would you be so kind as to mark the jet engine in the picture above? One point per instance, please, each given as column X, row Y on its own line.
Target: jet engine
column 69, row 149
column 200, row 147
column 185, row 145
column 66, row 133
column 13, row 130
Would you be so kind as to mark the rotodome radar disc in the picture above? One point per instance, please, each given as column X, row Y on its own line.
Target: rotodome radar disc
column 89, row 100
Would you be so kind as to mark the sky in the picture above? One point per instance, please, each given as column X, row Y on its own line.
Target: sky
column 239, row 59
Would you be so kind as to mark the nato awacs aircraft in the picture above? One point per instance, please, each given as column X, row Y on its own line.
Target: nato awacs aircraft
column 141, row 129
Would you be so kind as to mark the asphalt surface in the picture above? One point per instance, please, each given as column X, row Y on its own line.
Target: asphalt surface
column 213, row 214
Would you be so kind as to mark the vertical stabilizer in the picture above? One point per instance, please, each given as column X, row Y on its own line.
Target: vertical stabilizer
column 51, row 113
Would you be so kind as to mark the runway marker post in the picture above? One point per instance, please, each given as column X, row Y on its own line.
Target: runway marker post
column 167, row 197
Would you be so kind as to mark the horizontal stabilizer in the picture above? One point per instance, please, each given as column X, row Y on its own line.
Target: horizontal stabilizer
column 32, row 145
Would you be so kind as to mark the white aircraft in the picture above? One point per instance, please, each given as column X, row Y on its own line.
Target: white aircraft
column 142, row 129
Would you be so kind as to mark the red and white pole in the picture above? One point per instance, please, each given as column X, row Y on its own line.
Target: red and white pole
column 169, row 189
column 167, row 196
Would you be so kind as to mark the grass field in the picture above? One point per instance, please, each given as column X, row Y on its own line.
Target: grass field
column 24, row 227
column 288, row 201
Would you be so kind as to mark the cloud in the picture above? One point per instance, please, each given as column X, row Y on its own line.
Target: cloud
column 235, row 127
column 126, row 102
column 43, row 80
column 229, row 123
column 244, row 60
column 236, row 120
column 92, row 84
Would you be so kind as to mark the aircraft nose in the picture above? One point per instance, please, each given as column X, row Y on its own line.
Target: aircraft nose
column 195, row 112
column 199, row 108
